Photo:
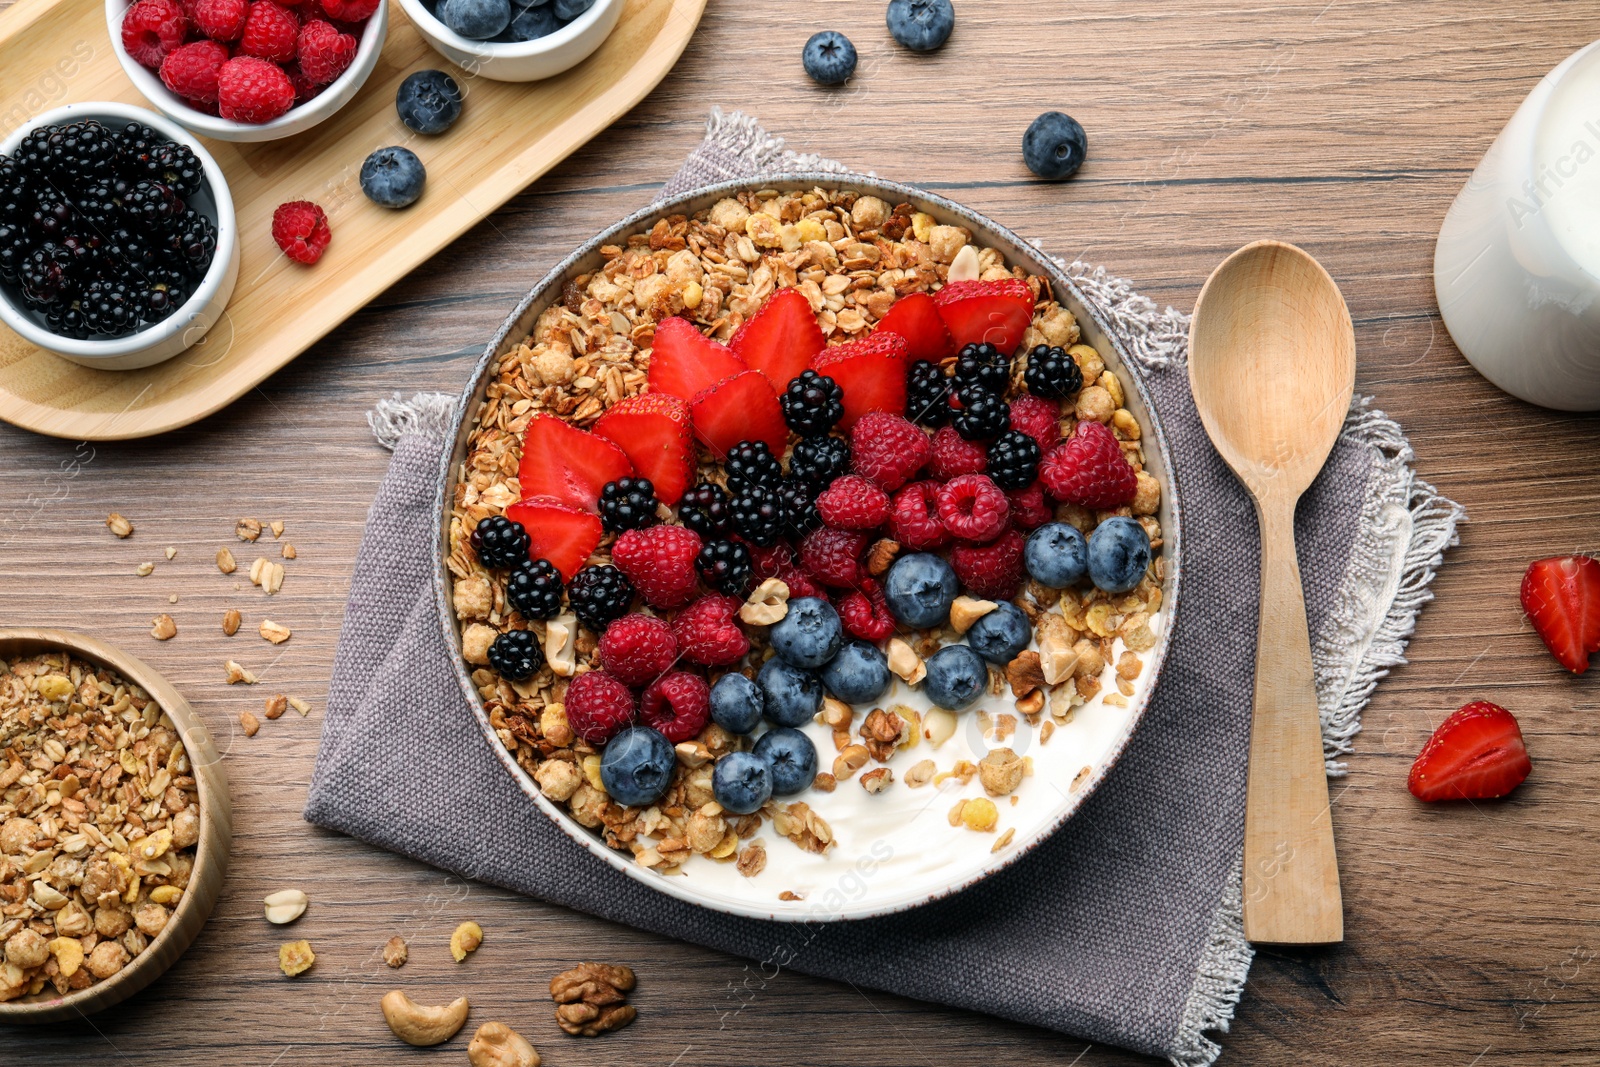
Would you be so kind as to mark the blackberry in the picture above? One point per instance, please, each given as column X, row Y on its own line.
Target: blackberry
column 799, row 498
column 599, row 595
column 126, row 252
column 67, row 320
column 981, row 368
column 112, row 308
column 45, row 273
column 928, row 395
column 100, row 203
column 82, row 150
column 534, row 588
column 193, row 242
column 499, row 542
column 13, row 250
column 516, row 655
column 813, row 404
column 1052, row 373
column 152, row 205
column 704, row 509
column 16, row 199
column 725, row 567
column 820, row 459
column 52, row 218
column 752, row 463
column 757, row 513
column 176, row 166
column 628, row 504
column 134, row 142
column 983, row 418
column 1013, row 460
column 33, row 151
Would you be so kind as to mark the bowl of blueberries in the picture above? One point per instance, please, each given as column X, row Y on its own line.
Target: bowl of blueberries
column 118, row 243
column 514, row 40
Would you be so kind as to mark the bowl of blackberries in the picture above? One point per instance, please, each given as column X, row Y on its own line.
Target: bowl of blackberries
column 118, row 245
column 514, row 40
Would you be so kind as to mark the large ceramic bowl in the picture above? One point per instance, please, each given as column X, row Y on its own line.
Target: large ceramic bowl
column 901, row 861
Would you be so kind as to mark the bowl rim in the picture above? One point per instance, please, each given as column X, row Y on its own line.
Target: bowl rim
column 213, row 847
column 1018, row 251
column 552, row 42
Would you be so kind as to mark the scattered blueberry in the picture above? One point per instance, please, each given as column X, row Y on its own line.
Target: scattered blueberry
column 829, row 58
column 920, row 589
column 956, row 677
column 637, row 766
column 859, row 674
column 534, row 23
column 393, row 177
column 921, row 25
column 791, row 757
column 1054, row 146
column 1119, row 552
column 741, row 782
column 1001, row 634
column 477, row 20
column 1056, row 555
column 809, row 635
column 428, row 101
column 790, row 696
column 736, row 703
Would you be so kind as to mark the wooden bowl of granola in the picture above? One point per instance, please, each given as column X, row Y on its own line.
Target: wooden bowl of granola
column 115, row 825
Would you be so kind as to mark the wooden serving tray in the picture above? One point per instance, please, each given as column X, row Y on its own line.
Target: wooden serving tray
column 508, row 135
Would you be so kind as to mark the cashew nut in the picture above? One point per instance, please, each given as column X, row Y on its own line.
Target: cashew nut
column 965, row 611
column 285, row 906
column 560, row 644
column 767, row 604
column 497, row 1045
column 905, row 663
column 418, row 1025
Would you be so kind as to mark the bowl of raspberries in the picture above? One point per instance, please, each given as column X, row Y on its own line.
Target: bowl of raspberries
column 118, row 243
column 514, row 40
column 248, row 70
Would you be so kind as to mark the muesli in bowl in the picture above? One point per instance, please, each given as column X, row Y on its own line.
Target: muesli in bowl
column 803, row 539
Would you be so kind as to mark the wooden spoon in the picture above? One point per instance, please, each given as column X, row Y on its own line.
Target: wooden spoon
column 1272, row 361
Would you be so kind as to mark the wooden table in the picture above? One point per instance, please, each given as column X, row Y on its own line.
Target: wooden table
column 1344, row 126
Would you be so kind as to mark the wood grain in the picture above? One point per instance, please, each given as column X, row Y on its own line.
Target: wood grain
column 1346, row 128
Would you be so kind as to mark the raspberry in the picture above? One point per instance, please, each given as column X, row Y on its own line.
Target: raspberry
column 833, row 557
column 191, row 71
column 598, row 705
column 973, row 508
column 1037, row 418
column 801, row 584
column 1088, row 469
column 865, row 613
column 953, row 455
column 771, row 561
column 153, row 28
column 221, row 20
column 888, row 449
column 993, row 571
column 659, row 561
column 853, row 503
column 250, row 89
column 270, row 32
column 678, row 705
column 638, row 649
column 324, row 52
column 349, row 10
column 301, row 229
column 304, row 88
column 706, row 631
column 1028, row 507
column 914, row 520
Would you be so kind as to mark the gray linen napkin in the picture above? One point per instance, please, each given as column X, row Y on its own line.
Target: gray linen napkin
column 1127, row 920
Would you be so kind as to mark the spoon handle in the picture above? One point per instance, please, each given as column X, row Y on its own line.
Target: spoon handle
column 1291, row 875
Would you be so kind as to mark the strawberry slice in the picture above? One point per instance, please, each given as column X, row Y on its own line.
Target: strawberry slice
column 740, row 408
column 1475, row 754
column 872, row 372
column 916, row 318
column 780, row 339
column 567, row 464
column 560, row 533
column 654, row 430
column 685, row 362
column 996, row 312
column 1562, row 598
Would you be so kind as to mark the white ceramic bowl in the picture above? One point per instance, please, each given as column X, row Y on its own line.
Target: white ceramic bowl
column 523, row 61
column 296, row 120
column 185, row 326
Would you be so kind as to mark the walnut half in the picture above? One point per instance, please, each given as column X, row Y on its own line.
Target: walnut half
column 590, row 998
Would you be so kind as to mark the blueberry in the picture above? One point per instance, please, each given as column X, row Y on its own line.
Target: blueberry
column 859, row 674
column 741, row 782
column 920, row 589
column 1054, row 146
column 1056, row 555
column 478, row 20
column 809, row 635
column 1119, row 552
column 790, row 696
column 567, row 10
column 829, row 58
column 1001, row 634
column 428, row 101
column 791, row 757
column 736, row 703
column 921, row 25
column 393, row 177
column 534, row 23
column 956, row 677
column 637, row 766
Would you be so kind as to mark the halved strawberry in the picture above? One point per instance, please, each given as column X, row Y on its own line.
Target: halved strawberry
column 916, row 318
column 1562, row 598
column 780, row 339
column 996, row 312
column 685, row 362
column 567, row 464
column 560, row 533
column 872, row 372
column 740, row 408
column 654, row 430
column 1475, row 754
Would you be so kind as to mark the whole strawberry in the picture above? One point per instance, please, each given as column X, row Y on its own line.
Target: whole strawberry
column 993, row 571
column 888, row 449
column 1088, row 469
column 914, row 518
column 598, row 705
column 853, row 502
column 638, row 649
column 707, row 632
column 678, row 705
column 659, row 561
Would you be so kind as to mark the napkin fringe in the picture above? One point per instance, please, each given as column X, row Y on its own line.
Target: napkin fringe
column 740, row 135
column 425, row 413
column 1224, row 966
column 1154, row 337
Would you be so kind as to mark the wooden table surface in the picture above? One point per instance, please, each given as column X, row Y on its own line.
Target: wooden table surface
column 1344, row 126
